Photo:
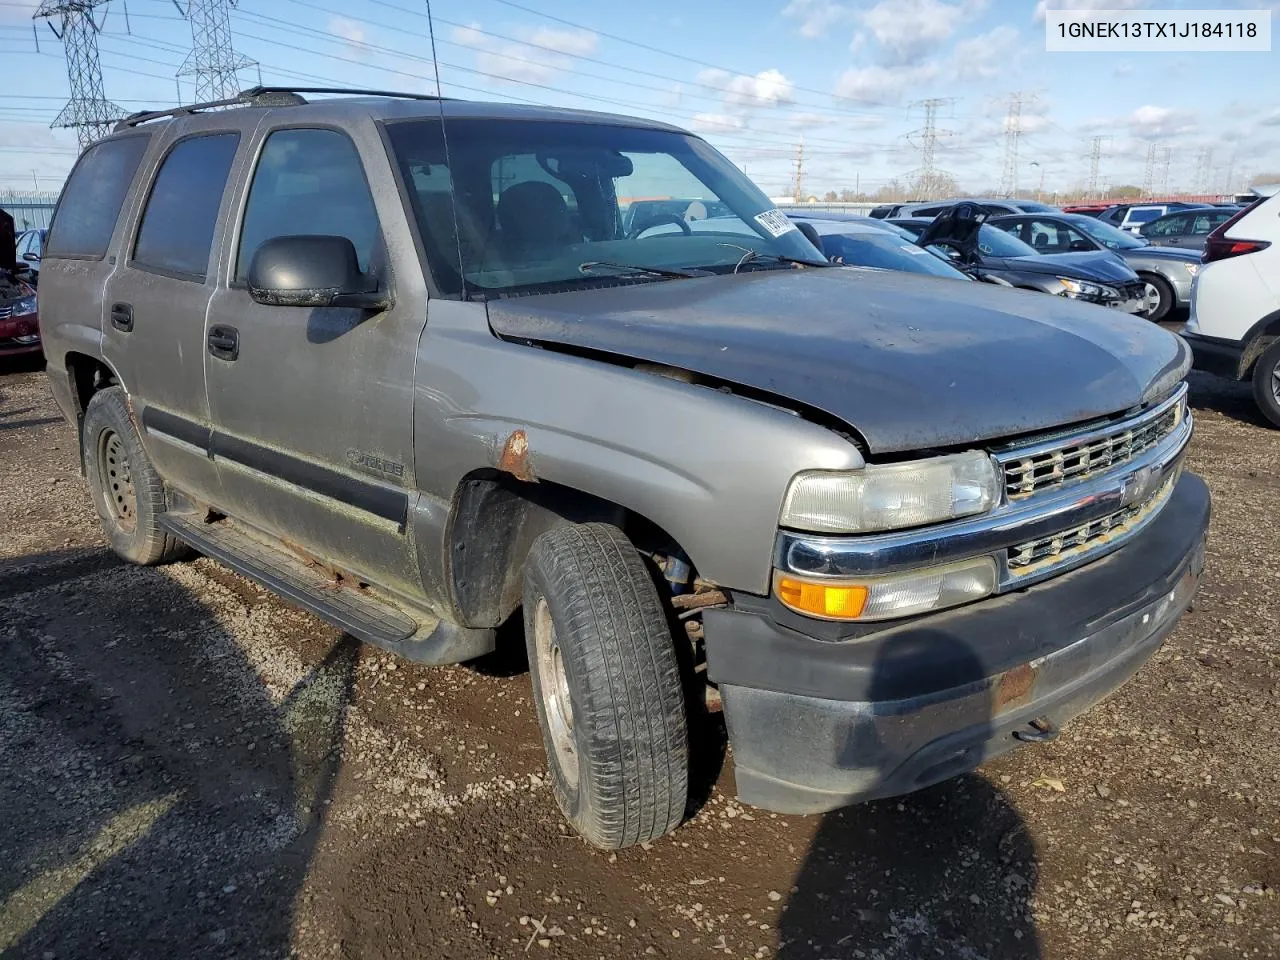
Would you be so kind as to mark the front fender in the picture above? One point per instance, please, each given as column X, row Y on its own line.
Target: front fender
column 709, row 468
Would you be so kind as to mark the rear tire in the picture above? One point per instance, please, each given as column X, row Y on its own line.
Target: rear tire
column 127, row 492
column 607, row 686
column 1159, row 289
column 1266, row 383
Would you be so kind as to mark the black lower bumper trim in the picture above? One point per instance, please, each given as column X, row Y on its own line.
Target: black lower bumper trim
column 1212, row 355
column 819, row 724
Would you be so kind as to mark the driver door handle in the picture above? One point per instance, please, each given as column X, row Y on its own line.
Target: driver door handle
column 224, row 342
column 122, row 317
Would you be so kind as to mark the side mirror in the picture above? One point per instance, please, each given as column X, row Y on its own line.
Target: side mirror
column 312, row 271
column 811, row 234
column 31, row 257
column 1083, row 245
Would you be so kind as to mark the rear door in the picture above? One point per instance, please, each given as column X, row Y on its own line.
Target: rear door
column 154, row 311
column 313, row 410
column 1167, row 231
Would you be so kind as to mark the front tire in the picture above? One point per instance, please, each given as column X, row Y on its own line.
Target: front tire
column 607, row 685
column 1160, row 298
column 128, row 494
column 1266, row 383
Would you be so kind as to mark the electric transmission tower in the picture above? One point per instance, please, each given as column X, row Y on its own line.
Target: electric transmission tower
column 1149, row 176
column 928, row 177
column 213, row 62
column 1204, row 169
column 1095, row 160
column 88, row 111
column 1012, row 134
column 798, row 180
column 1166, row 158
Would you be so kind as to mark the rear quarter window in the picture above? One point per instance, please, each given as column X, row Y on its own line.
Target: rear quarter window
column 91, row 200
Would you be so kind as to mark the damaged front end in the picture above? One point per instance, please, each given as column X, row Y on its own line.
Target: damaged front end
column 19, row 327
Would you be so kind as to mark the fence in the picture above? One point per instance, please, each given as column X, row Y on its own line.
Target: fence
column 29, row 208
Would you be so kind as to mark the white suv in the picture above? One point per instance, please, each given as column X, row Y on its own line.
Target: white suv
column 1234, row 327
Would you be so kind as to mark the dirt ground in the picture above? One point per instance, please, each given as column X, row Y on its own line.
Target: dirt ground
column 190, row 767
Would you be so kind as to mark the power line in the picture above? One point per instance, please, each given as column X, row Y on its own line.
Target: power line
column 1149, row 174
column 1012, row 136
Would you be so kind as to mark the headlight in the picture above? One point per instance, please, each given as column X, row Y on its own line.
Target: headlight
column 24, row 306
column 882, row 598
column 892, row 496
column 1080, row 288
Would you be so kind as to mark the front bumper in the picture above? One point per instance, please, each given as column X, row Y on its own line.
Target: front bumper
column 19, row 335
column 817, row 724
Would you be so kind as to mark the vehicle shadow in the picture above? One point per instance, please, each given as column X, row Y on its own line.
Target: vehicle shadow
column 22, row 363
column 948, row 871
column 1231, row 398
column 158, row 801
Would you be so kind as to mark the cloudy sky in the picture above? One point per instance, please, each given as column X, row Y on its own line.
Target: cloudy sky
column 753, row 76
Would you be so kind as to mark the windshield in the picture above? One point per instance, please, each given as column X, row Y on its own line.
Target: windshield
column 1105, row 233
column 888, row 252
column 548, row 205
column 1144, row 214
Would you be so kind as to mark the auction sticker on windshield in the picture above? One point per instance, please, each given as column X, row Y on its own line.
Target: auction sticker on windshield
column 775, row 222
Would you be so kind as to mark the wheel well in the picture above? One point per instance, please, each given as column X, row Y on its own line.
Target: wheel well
column 88, row 375
column 494, row 522
column 1264, row 333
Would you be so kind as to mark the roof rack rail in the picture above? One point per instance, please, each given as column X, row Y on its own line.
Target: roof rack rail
column 264, row 97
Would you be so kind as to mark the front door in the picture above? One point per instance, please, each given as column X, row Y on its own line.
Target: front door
column 154, row 309
column 313, row 407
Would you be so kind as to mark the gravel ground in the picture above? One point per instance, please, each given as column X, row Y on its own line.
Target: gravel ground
column 191, row 767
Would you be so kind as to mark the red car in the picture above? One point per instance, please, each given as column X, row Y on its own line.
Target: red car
column 19, row 329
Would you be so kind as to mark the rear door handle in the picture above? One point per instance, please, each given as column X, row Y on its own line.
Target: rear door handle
column 224, row 342
column 122, row 316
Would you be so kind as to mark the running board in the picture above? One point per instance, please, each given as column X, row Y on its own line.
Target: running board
column 416, row 635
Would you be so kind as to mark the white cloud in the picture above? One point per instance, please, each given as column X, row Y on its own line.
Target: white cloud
column 1123, row 70
column 1044, row 5
column 988, row 54
column 1155, row 122
column 877, row 85
column 572, row 42
column 907, row 30
column 1271, row 120
column 768, row 88
column 348, row 30
column 718, row 122
column 816, row 16
column 542, row 54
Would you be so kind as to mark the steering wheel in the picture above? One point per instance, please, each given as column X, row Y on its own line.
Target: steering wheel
column 656, row 220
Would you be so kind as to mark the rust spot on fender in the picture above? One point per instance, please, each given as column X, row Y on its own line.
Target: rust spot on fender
column 515, row 457
column 1015, row 686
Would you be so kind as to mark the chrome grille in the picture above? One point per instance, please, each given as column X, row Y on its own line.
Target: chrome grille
column 6, row 311
column 1048, row 465
column 1035, row 555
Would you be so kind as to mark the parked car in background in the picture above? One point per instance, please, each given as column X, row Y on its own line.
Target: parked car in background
column 421, row 385
column 19, row 327
column 1166, row 271
column 1234, row 327
column 834, row 216
column 988, row 252
column 1187, row 229
column 1131, row 216
column 1088, row 209
column 994, row 208
column 881, row 246
column 30, row 246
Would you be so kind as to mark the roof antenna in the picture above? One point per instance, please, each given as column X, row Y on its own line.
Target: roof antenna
column 448, row 162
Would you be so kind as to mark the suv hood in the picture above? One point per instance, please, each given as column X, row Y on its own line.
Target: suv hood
column 910, row 362
column 1099, row 265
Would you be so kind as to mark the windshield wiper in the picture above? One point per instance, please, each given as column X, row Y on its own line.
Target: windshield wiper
column 751, row 256
column 591, row 265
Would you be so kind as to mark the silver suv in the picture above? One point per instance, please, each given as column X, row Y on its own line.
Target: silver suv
column 415, row 366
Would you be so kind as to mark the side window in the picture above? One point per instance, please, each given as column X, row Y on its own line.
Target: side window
column 176, row 234
column 1016, row 227
column 927, row 211
column 1166, row 227
column 1047, row 237
column 308, row 182
column 91, row 200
